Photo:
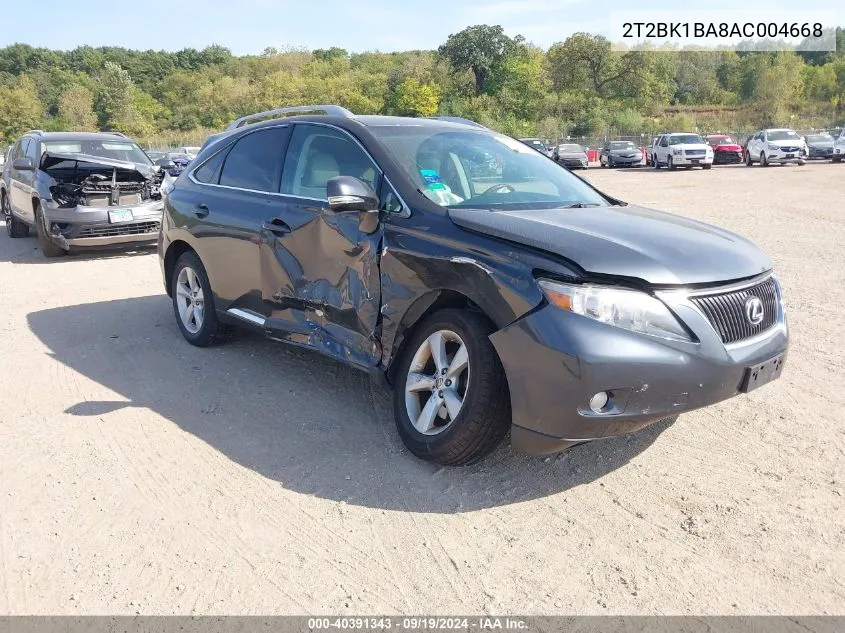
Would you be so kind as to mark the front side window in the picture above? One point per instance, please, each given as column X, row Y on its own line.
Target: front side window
column 255, row 161
column 20, row 149
column 478, row 168
column 317, row 154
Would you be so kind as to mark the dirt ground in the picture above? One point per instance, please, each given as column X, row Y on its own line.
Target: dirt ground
column 141, row 475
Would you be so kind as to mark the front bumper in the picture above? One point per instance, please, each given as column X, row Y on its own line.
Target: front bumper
column 83, row 226
column 556, row 361
column 695, row 160
column 777, row 156
column 624, row 161
column 573, row 163
column 728, row 158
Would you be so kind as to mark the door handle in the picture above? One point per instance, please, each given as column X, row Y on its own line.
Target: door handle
column 277, row 226
column 201, row 210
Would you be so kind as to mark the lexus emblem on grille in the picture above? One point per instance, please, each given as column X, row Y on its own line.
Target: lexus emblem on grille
column 754, row 310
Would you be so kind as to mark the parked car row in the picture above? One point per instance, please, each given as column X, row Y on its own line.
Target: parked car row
column 492, row 289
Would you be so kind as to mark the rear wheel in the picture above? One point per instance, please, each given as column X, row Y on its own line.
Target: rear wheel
column 193, row 303
column 14, row 227
column 47, row 246
column 451, row 401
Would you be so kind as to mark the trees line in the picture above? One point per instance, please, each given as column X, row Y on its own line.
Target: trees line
column 577, row 87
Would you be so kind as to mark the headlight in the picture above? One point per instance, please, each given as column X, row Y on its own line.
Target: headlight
column 629, row 309
column 677, row 151
column 773, row 147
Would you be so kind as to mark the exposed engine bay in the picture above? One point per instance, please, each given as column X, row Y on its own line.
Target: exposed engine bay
column 91, row 181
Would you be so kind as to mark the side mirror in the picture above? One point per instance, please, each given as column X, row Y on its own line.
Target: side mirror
column 23, row 164
column 347, row 193
column 166, row 163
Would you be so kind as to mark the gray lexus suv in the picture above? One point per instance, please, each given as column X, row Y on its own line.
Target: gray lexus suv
column 490, row 287
column 78, row 189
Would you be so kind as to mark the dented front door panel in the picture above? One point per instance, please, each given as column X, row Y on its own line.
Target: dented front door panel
column 320, row 281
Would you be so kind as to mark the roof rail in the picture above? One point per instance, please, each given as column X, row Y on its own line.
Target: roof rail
column 329, row 110
column 457, row 119
column 120, row 134
column 33, row 132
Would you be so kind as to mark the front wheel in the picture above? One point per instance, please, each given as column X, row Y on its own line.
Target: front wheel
column 670, row 163
column 451, row 401
column 764, row 162
column 14, row 227
column 748, row 162
column 47, row 246
column 707, row 165
column 836, row 160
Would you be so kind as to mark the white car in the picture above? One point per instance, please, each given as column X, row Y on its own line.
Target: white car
column 773, row 146
column 682, row 149
column 839, row 147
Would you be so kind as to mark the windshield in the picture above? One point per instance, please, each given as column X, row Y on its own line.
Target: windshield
column 469, row 168
column 820, row 138
column 115, row 150
column 685, row 139
column 570, row 148
column 722, row 140
column 783, row 135
column 622, row 145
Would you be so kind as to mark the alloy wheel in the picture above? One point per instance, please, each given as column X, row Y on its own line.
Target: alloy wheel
column 190, row 300
column 437, row 381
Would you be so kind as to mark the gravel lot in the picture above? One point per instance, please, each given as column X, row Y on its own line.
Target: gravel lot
column 141, row 475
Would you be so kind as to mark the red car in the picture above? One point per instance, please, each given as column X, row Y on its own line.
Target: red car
column 726, row 151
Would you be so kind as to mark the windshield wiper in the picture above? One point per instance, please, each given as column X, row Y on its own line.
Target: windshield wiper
column 580, row 205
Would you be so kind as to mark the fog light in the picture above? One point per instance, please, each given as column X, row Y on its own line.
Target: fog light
column 598, row 401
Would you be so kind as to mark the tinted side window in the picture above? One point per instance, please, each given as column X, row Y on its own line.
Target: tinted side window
column 32, row 151
column 209, row 171
column 20, row 149
column 317, row 154
column 255, row 161
column 663, row 142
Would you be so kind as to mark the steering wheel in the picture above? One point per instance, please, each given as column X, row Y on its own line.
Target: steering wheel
column 501, row 186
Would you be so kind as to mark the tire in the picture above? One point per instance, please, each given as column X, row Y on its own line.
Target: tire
column 47, row 246
column 707, row 166
column 670, row 163
column 801, row 163
column 205, row 329
column 836, row 160
column 14, row 227
column 763, row 160
column 655, row 161
column 484, row 414
column 748, row 161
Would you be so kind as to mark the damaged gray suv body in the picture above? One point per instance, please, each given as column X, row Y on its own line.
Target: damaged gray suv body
column 79, row 190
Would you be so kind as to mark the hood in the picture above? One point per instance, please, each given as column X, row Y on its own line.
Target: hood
column 727, row 147
column 84, row 162
column 820, row 143
column 578, row 155
column 657, row 247
column 686, row 146
column 789, row 142
column 625, row 152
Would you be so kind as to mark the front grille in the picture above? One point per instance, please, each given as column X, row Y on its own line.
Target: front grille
column 789, row 149
column 117, row 230
column 726, row 311
column 694, row 152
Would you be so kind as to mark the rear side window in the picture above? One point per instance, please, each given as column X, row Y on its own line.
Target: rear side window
column 255, row 161
column 209, row 172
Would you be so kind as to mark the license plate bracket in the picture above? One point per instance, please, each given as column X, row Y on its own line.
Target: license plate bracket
column 120, row 215
column 762, row 373
column 790, row 155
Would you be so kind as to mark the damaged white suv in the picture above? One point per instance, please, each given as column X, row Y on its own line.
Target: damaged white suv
column 80, row 189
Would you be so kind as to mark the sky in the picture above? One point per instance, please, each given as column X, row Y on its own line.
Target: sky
column 250, row 26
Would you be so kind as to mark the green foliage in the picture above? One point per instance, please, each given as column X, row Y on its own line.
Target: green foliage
column 76, row 109
column 580, row 86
